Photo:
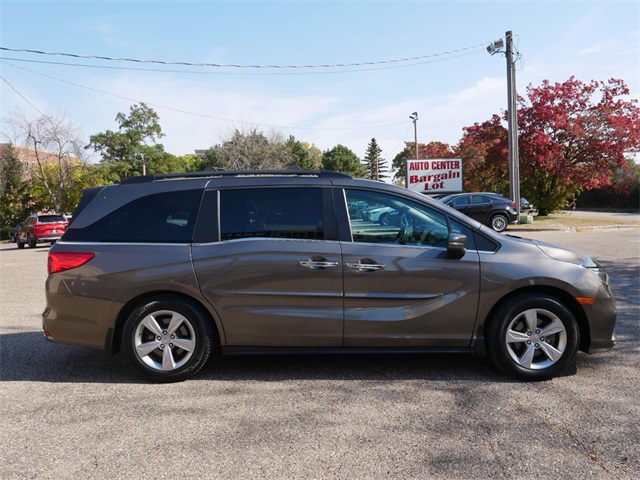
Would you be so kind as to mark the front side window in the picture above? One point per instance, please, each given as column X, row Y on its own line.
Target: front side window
column 294, row 213
column 395, row 220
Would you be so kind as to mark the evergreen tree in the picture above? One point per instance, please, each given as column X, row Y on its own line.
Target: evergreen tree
column 375, row 164
column 12, row 190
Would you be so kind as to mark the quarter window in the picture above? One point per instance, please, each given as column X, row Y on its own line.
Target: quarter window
column 167, row 217
column 294, row 213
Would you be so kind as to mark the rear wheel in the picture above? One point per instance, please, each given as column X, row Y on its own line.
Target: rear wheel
column 533, row 337
column 384, row 219
column 168, row 339
column 499, row 222
column 32, row 242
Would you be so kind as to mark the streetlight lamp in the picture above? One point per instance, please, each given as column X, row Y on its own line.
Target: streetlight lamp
column 512, row 117
column 414, row 117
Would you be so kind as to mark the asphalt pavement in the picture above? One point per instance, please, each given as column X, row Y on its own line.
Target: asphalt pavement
column 70, row 412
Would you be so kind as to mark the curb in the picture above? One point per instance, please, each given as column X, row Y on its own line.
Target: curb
column 576, row 229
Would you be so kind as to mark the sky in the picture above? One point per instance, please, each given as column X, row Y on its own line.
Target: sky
column 451, row 80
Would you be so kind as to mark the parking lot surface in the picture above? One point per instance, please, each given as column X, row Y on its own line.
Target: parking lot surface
column 76, row 413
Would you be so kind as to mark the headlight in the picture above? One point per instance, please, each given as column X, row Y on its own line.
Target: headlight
column 601, row 274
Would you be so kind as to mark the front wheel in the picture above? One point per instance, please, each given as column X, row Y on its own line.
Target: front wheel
column 499, row 222
column 532, row 337
column 168, row 339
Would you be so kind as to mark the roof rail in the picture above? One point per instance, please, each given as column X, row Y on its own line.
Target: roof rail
column 235, row 173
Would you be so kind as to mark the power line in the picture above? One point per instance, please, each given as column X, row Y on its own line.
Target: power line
column 198, row 114
column 197, row 72
column 22, row 96
column 219, row 65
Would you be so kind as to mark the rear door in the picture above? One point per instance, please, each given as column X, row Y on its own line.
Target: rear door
column 401, row 289
column 275, row 275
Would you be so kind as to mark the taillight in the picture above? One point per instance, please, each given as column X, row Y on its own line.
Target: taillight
column 514, row 205
column 61, row 261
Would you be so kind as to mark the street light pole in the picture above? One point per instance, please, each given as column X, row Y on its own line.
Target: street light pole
column 414, row 117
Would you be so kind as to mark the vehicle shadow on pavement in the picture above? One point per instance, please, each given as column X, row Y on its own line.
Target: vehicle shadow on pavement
column 28, row 357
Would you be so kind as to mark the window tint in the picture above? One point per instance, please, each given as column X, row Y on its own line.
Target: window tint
column 475, row 199
column 457, row 227
column 457, row 201
column 167, row 217
column 271, row 213
column 51, row 219
column 396, row 220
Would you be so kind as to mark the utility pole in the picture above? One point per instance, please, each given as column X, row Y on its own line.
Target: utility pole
column 512, row 99
column 512, row 117
column 414, row 117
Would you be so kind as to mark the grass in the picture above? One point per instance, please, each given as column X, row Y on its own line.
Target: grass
column 563, row 220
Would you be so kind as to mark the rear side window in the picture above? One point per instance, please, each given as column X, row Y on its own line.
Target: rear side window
column 271, row 213
column 167, row 217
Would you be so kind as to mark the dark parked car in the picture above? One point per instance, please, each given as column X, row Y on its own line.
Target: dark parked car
column 41, row 228
column 13, row 232
column 175, row 269
column 491, row 209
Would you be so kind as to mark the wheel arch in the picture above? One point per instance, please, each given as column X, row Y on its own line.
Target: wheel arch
column 562, row 296
column 114, row 338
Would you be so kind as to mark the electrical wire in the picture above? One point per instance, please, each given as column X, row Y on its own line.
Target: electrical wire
column 219, row 65
column 194, row 72
column 200, row 114
column 21, row 96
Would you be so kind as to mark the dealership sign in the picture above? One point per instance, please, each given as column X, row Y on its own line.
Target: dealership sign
column 435, row 175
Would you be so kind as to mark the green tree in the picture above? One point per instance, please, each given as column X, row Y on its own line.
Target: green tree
column 251, row 150
column 13, row 191
column 55, row 145
column 133, row 145
column 80, row 175
column 341, row 159
column 374, row 163
column 302, row 153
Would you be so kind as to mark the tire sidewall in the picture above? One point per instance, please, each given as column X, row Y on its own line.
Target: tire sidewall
column 503, row 218
column 497, row 347
column 204, row 338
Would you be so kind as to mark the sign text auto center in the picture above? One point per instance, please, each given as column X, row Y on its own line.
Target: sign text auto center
column 435, row 175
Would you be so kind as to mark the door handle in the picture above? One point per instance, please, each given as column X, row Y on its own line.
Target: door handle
column 315, row 265
column 366, row 267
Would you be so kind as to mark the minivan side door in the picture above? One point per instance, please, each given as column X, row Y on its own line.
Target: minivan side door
column 273, row 274
column 401, row 289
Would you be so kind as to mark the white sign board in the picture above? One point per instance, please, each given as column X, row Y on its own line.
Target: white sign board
column 435, row 175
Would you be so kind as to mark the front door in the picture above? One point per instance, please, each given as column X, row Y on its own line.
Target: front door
column 401, row 289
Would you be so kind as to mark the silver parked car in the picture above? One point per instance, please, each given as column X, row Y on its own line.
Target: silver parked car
column 174, row 268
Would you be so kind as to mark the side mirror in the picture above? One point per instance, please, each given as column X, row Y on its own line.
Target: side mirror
column 456, row 246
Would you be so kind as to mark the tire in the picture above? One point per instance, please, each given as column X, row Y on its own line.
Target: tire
column 516, row 340
column 499, row 222
column 384, row 219
column 181, row 332
column 32, row 242
column 19, row 243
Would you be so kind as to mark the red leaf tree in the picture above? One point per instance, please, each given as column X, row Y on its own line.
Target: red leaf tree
column 572, row 137
column 484, row 150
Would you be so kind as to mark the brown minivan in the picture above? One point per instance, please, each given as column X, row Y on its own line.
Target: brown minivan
column 173, row 268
